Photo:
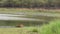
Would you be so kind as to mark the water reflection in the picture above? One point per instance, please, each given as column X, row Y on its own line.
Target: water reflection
column 11, row 17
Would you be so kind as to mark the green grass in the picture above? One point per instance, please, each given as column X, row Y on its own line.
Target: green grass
column 17, row 10
column 52, row 28
column 26, row 30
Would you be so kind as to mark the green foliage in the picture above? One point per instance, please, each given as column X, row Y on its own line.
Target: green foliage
column 52, row 28
column 29, row 3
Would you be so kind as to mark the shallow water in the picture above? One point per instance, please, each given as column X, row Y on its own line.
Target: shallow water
column 46, row 14
column 11, row 17
column 22, row 16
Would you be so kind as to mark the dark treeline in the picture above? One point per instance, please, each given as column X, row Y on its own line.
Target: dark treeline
column 30, row 3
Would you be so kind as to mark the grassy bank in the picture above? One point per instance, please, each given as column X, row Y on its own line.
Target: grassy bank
column 17, row 10
column 52, row 28
column 24, row 30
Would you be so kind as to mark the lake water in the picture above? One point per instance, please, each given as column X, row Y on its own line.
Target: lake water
column 14, row 17
column 21, row 16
